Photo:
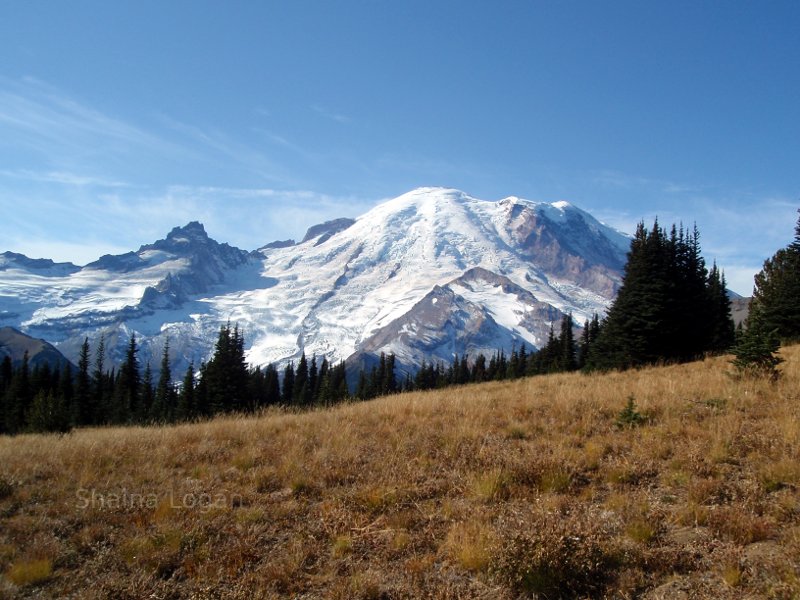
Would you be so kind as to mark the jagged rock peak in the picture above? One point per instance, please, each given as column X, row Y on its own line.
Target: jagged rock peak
column 193, row 230
column 327, row 229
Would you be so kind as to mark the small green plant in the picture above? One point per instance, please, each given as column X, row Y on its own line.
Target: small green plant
column 630, row 417
column 755, row 353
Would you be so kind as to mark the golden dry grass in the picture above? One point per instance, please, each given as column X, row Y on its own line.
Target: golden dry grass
column 490, row 491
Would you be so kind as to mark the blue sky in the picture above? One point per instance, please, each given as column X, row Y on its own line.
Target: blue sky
column 120, row 120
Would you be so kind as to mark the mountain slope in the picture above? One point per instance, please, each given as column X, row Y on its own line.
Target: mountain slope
column 504, row 271
column 15, row 344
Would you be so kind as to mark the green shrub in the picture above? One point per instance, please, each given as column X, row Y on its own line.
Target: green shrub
column 629, row 416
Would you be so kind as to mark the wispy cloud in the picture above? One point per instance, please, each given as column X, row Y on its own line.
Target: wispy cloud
column 214, row 144
column 78, row 183
column 62, row 177
column 42, row 118
column 617, row 179
column 329, row 114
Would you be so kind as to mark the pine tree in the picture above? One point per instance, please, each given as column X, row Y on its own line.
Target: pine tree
column 186, row 401
column 272, row 386
column 147, row 394
column 48, row 413
column 226, row 374
column 287, row 393
column 128, row 388
column 99, row 384
column 776, row 296
column 313, row 382
column 83, row 412
column 18, row 397
column 669, row 307
column 301, row 381
column 755, row 350
column 566, row 343
column 6, row 372
column 164, row 409
column 66, row 395
column 720, row 329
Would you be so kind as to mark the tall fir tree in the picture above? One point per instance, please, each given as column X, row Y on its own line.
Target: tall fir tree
column 147, row 395
column 185, row 409
column 164, row 409
column 668, row 308
column 83, row 412
column 776, row 296
column 287, row 393
column 99, row 385
column 301, row 381
column 128, row 387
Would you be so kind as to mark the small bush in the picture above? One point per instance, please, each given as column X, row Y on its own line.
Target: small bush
column 573, row 556
column 629, row 416
column 755, row 353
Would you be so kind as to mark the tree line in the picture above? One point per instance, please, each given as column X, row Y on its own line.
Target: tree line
column 57, row 399
column 670, row 308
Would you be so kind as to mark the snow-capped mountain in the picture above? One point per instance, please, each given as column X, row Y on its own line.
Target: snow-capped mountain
column 431, row 273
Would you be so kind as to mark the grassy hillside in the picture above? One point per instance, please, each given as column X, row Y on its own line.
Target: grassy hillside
column 491, row 491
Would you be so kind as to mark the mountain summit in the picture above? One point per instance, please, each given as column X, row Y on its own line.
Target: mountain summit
column 432, row 273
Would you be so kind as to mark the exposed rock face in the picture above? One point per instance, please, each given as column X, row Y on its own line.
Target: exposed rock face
column 568, row 247
column 325, row 230
column 461, row 318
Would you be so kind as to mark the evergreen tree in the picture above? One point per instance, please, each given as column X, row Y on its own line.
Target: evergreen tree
column 776, row 296
column 720, row 328
column 566, row 360
column 322, row 392
column 66, row 395
column 271, row 386
column 226, row 373
column 83, row 412
column 48, row 413
column 147, row 394
column 301, row 381
column 479, row 373
column 185, row 409
column 99, row 384
column 313, row 382
column 6, row 371
column 164, row 409
column 584, row 344
column 128, row 387
column 755, row 350
column 669, row 307
column 362, row 389
column 202, row 406
column 287, row 394
column 18, row 397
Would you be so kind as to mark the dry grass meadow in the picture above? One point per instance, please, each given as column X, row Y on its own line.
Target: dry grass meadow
column 528, row 488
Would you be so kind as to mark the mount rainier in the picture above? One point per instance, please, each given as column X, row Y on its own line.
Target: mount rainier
column 426, row 275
